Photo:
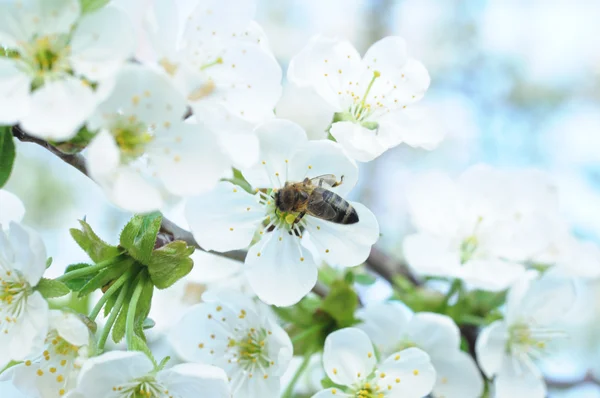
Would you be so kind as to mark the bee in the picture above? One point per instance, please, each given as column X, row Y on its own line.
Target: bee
column 313, row 197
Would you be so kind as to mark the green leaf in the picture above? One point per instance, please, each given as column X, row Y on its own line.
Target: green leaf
column 143, row 308
column 107, row 275
column 7, row 154
column 76, row 284
column 139, row 236
column 139, row 344
column 341, row 303
column 118, row 330
column 48, row 262
column 364, row 279
column 170, row 263
column 92, row 5
column 50, row 288
column 148, row 324
column 96, row 248
column 300, row 314
column 239, row 180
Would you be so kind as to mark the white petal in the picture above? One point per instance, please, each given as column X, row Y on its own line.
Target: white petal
column 187, row 159
column 55, row 17
column 491, row 274
column 133, row 192
column 321, row 157
column 14, row 92
column 387, row 55
column 191, row 379
column 348, row 356
column 258, row 386
column 437, row 334
column 415, row 79
column 490, row 347
column 457, row 377
column 29, row 252
column 225, row 218
column 210, row 268
column 280, row 270
column 58, row 109
column 113, row 369
column 218, row 19
column 331, row 393
column 97, row 52
column 278, row 140
column 70, row 327
column 410, row 126
column 103, row 156
column 345, row 245
column 318, row 65
column 12, row 208
column 361, row 143
column 16, row 24
column 428, row 255
column 519, row 380
column 385, row 324
column 408, row 372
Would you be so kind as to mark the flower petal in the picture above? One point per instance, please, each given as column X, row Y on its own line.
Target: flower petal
column 12, row 208
column 103, row 156
column 187, row 158
column 97, row 52
column 410, row 126
column 490, row 348
column 519, row 380
column 280, row 270
column 348, row 356
column 361, row 143
column 437, row 334
column 14, row 92
column 387, row 55
column 491, row 274
column 321, row 157
column 457, row 377
column 408, row 373
column 345, row 245
column 219, row 20
column 278, row 140
column 331, row 393
column 58, row 109
column 29, row 252
column 190, row 379
column 225, row 218
column 385, row 324
column 428, row 255
column 70, row 327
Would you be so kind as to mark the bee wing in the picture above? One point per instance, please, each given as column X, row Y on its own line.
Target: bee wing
column 318, row 205
column 325, row 181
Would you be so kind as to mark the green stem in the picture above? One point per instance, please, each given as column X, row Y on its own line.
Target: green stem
column 92, row 269
column 111, row 290
column 473, row 320
column 217, row 61
column 112, row 318
column 308, row 332
column 289, row 391
column 130, row 323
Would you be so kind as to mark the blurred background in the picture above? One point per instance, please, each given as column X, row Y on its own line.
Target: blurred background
column 514, row 84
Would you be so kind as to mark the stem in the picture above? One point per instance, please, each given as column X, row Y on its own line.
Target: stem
column 376, row 74
column 473, row 320
column 310, row 331
column 111, row 290
column 86, row 271
column 129, row 326
column 112, row 318
column 454, row 288
column 217, row 61
column 289, row 391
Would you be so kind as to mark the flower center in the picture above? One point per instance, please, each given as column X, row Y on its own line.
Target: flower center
column 468, row 248
column 250, row 349
column 45, row 57
column 367, row 390
column 361, row 109
column 13, row 292
column 131, row 137
column 144, row 387
column 531, row 340
column 276, row 218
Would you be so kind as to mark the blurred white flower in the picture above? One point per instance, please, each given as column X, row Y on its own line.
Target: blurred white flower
column 349, row 360
column 372, row 97
column 23, row 310
column 392, row 328
column 232, row 332
column 481, row 228
column 282, row 266
column 144, row 146
column 46, row 86
column 53, row 372
column 507, row 349
column 12, row 208
column 118, row 374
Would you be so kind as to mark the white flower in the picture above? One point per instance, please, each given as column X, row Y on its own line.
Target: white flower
column 372, row 96
column 51, row 373
column 481, row 228
column 23, row 311
column 12, row 208
column 507, row 349
column 392, row 327
column 144, row 146
column 349, row 360
column 282, row 266
column 233, row 333
column 45, row 85
column 120, row 374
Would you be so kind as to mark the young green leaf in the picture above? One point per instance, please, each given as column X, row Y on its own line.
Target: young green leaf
column 7, row 154
column 341, row 303
column 364, row 279
column 118, row 330
column 77, row 283
column 170, row 263
column 96, row 248
column 107, row 275
column 139, row 236
column 50, row 288
column 92, row 5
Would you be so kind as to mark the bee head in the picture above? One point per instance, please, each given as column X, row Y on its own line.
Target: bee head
column 288, row 198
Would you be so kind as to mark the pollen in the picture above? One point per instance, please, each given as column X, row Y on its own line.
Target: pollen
column 258, row 254
column 201, row 345
column 397, row 357
column 135, row 99
column 327, row 251
column 60, row 378
column 177, row 158
column 301, row 258
column 40, row 372
column 231, row 229
column 335, row 371
column 263, row 162
column 309, row 167
column 416, row 372
column 370, row 354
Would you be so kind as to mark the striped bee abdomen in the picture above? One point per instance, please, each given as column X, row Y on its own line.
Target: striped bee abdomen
column 344, row 212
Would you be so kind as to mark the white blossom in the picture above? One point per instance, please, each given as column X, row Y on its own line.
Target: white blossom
column 282, row 265
column 507, row 349
column 56, row 53
column 230, row 331
column 53, row 372
column 372, row 96
column 120, row 374
column 392, row 327
column 481, row 228
column 23, row 311
column 350, row 361
column 12, row 208
column 144, row 150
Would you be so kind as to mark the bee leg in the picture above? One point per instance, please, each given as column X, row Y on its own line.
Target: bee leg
column 299, row 217
column 338, row 183
column 271, row 228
